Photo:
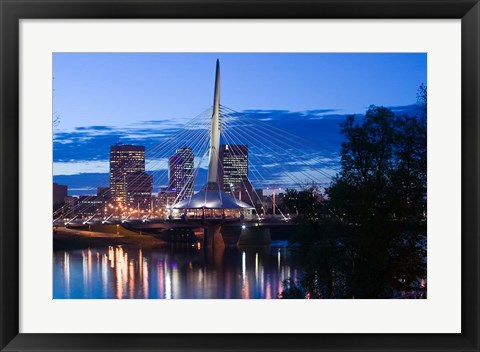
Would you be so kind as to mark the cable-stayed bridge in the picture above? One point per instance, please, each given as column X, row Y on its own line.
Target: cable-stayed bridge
column 277, row 159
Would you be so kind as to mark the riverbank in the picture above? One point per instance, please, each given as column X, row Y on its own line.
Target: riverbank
column 68, row 238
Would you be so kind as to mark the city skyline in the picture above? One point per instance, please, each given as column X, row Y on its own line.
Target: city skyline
column 79, row 140
column 336, row 218
column 130, row 191
column 127, row 162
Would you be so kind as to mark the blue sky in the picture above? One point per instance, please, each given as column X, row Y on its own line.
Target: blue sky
column 144, row 98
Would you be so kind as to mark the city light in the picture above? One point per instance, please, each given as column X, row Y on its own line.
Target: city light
column 158, row 203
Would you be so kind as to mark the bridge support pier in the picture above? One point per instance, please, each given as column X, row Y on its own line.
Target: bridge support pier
column 213, row 237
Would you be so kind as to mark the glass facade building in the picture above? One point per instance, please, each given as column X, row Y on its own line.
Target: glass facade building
column 125, row 159
column 181, row 176
column 233, row 171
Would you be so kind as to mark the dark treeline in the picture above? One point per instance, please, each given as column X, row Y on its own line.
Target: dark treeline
column 367, row 237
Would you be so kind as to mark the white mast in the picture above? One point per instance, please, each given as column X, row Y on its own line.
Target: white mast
column 215, row 134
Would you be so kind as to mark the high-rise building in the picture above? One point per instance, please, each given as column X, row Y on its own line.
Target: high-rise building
column 124, row 159
column 59, row 193
column 165, row 199
column 233, row 171
column 104, row 192
column 181, row 166
column 138, row 189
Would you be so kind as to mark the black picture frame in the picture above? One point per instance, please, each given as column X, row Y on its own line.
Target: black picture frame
column 11, row 11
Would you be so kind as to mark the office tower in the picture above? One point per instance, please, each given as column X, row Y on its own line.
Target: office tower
column 165, row 199
column 233, row 171
column 181, row 173
column 59, row 193
column 104, row 193
column 124, row 159
column 138, row 190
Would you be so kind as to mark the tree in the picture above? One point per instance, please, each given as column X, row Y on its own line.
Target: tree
column 422, row 101
column 381, row 196
column 56, row 120
column 368, row 239
column 291, row 290
column 314, row 245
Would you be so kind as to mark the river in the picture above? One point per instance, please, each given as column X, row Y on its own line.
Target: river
column 173, row 272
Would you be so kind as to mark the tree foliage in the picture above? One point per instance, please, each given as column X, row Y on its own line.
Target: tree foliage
column 368, row 238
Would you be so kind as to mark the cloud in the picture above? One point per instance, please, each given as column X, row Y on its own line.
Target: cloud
column 265, row 111
column 94, row 128
column 82, row 183
column 330, row 116
column 87, row 166
column 284, row 146
column 319, row 111
column 411, row 110
column 158, row 122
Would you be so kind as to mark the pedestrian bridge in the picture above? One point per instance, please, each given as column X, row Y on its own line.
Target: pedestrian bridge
column 211, row 232
column 213, row 208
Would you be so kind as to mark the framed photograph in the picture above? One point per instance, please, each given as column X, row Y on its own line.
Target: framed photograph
column 239, row 176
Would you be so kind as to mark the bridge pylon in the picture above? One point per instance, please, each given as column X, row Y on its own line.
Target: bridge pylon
column 211, row 197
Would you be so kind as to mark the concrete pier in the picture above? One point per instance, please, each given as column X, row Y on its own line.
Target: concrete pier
column 213, row 236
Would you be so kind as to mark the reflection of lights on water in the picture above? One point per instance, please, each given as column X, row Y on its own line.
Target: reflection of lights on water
column 145, row 278
column 176, row 287
column 119, row 271
column 104, row 274
column 256, row 266
column 131, row 275
column 168, row 287
column 98, row 263
column 246, row 291
column 173, row 276
column 279, row 283
column 140, row 261
column 111, row 256
column 66, row 273
column 245, row 283
column 160, row 282
column 268, row 292
column 84, row 271
column 125, row 268
column 168, row 283
column 278, row 258
column 262, row 276
column 199, row 246
column 200, row 275
column 89, row 258
column 244, row 269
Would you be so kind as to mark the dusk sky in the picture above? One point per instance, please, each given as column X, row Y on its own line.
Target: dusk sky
column 144, row 98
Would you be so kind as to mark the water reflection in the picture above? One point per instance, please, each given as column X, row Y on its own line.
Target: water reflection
column 172, row 272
